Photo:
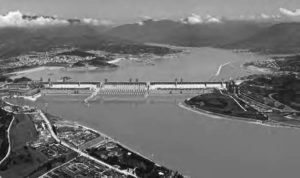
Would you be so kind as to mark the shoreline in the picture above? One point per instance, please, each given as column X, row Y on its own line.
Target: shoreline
column 32, row 98
column 115, row 61
column 236, row 119
column 49, row 125
column 109, row 138
column 76, row 123
column 35, row 69
column 257, row 69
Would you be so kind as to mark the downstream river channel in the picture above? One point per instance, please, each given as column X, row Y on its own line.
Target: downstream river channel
column 194, row 144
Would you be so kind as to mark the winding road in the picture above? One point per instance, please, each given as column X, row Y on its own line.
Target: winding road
column 9, row 142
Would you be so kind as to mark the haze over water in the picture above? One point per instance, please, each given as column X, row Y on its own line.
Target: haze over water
column 196, row 145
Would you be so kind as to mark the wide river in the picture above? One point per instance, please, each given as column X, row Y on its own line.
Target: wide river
column 196, row 145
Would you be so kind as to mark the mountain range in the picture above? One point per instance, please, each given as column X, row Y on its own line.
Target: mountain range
column 267, row 37
column 279, row 38
column 183, row 34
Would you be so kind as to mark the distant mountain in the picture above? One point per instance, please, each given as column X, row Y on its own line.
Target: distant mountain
column 279, row 38
column 40, row 33
column 20, row 40
column 183, row 34
column 17, row 40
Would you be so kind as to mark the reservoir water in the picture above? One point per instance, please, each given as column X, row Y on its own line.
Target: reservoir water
column 196, row 145
column 199, row 65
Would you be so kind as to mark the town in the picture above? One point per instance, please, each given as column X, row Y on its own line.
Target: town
column 72, row 57
column 58, row 148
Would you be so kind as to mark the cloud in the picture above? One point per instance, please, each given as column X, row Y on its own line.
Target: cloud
column 197, row 19
column 211, row 19
column 145, row 19
column 91, row 21
column 289, row 13
column 265, row 16
column 193, row 19
column 16, row 18
column 140, row 23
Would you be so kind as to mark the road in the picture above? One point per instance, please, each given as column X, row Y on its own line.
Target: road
column 77, row 150
column 9, row 142
column 234, row 100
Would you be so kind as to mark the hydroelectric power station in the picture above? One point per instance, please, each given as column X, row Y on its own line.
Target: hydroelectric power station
column 130, row 88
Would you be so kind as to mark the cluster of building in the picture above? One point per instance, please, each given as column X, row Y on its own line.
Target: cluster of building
column 44, row 135
column 75, row 135
column 65, row 57
column 259, row 102
column 40, row 59
column 82, row 167
column 262, row 102
column 269, row 64
column 54, row 150
column 115, row 154
column 45, row 142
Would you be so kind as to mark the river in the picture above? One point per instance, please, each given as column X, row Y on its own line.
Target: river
column 196, row 145
column 200, row 64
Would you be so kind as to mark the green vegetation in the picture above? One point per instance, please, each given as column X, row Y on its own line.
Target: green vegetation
column 290, row 63
column 96, row 62
column 77, row 53
column 125, row 159
column 22, row 162
column 223, row 104
column 283, row 38
column 136, row 49
column 27, row 160
column 21, row 80
column 23, row 131
column 23, row 159
column 4, row 78
column 284, row 88
column 180, row 34
column 17, row 41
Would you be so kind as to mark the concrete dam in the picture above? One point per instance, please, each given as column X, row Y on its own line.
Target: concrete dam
column 130, row 88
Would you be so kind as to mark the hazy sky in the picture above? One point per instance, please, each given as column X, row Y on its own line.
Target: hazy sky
column 124, row 10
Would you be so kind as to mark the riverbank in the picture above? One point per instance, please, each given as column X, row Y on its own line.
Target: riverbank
column 225, row 104
column 257, row 69
column 137, row 157
column 216, row 115
column 33, row 97
column 108, row 140
column 212, row 115
column 115, row 61
column 35, row 69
